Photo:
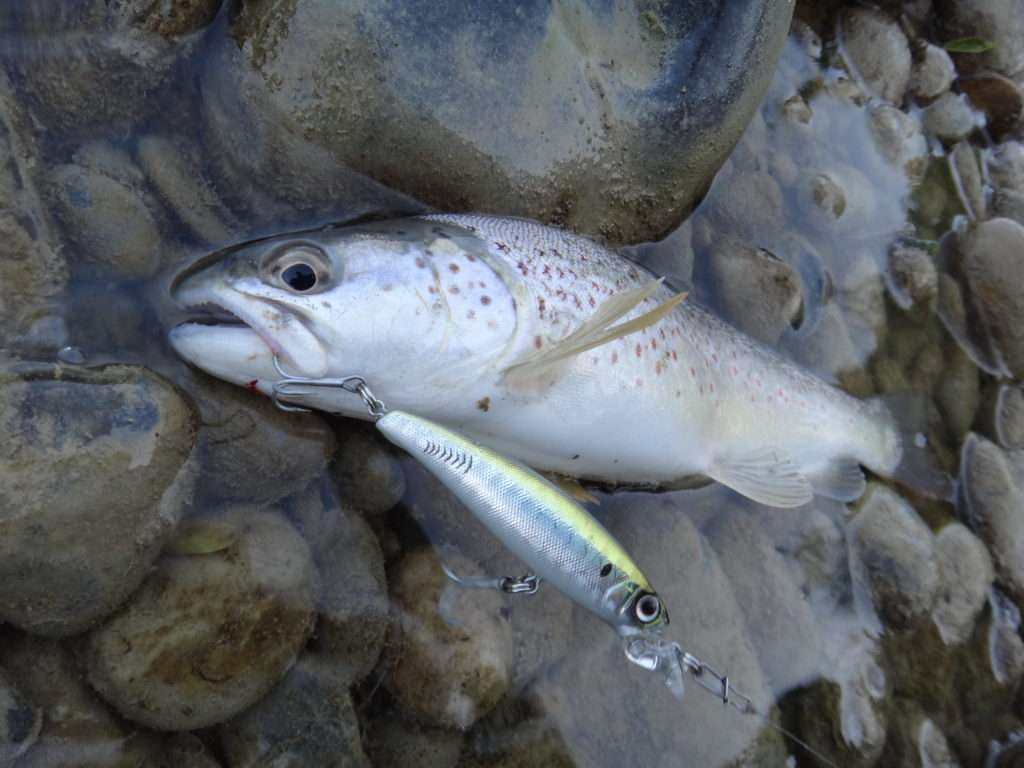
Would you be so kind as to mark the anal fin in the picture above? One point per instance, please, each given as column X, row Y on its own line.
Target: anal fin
column 842, row 480
column 765, row 475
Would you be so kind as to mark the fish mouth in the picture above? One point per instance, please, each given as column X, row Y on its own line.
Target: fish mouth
column 236, row 337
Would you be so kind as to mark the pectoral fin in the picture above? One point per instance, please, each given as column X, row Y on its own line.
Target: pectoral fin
column 598, row 329
column 766, row 476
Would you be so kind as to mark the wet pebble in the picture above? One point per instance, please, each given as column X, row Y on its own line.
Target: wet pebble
column 892, row 561
column 1005, row 167
column 107, row 220
column 933, row 749
column 999, row 97
column 837, row 199
column 913, row 278
column 95, row 474
column 950, row 118
column 750, row 208
column 174, row 168
column 443, row 627
column 876, row 49
column 998, row 21
column 965, row 576
column 990, row 252
column 369, row 473
column 1009, row 417
column 32, row 275
column 932, row 74
column 965, row 167
column 759, row 293
column 993, row 500
column 252, row 451
column 779, row 618
column 170, row 19
column 813, row 547
column 844, row 716
column 209, row 634
column 900, row 140
column 78, row 730
column 185, row 750
column 393, row 743
column 353, row 606
column 306, row 721
column 20, row 721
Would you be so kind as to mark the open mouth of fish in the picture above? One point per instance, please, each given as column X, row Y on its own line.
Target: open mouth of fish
column 236, row 336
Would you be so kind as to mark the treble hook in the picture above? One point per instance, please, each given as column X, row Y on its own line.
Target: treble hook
column 527, row 584
column 286, row 388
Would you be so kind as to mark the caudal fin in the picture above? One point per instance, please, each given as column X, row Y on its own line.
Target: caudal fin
column 904, row 420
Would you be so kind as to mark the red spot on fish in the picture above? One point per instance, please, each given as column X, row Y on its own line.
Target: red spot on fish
column 546, row 271
column 538, row 342
column 674, row 355
column 662, row 334
column 715, row 358
column 482, row 284
column 657, row 368
column 470, row 257
column 453, row 289
column 711, row 388
column 615, row 357
column 693, row 372
column 431, row 289
column 577, row 302
column 561, row 272
column 471, row 315
column 654, row 343
column 591, row 301
column 521, row 266
column 639, row 350
column 541, row 305
column 251, row 386
column 485, row 300
column 639, row 382
column 453, row 267
column 420, row 262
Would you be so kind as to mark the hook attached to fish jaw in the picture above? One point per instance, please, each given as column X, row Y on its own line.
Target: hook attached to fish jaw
column 290, row 387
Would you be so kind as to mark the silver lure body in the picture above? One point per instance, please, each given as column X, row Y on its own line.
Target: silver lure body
column 552, row 534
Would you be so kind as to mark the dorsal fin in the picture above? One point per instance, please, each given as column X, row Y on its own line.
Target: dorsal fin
column 598, row 329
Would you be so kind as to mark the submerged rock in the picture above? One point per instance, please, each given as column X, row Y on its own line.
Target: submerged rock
column 998, row 97
column 455, row 660
column 1001, row 22
column 306, row 721
column 932, row 74
column 760, row 294
column 251, row 451
column 20, row 722
column 877, row 51
column 610, row 119
column 1005, row 166
column 78, row 731
column 393, row 743
column 779, row 620
column 368, row 471
column 991, row 490
column 95, row 473
column 209, row 634
column 990, row 266
column 950, row 118
column 965, row 577
column 892, row 560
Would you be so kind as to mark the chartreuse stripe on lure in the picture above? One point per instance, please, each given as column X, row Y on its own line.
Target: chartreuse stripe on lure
column 556, row 537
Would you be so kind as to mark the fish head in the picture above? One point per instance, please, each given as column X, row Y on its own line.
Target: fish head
column 364, row 301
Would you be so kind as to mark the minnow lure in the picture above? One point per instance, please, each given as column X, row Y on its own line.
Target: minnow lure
column 549, row 531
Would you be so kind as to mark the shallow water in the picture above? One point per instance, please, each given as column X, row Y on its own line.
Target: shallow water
column 782, row 600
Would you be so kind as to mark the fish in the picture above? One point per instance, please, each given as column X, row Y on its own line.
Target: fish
column 562, row 543
column 539, row 343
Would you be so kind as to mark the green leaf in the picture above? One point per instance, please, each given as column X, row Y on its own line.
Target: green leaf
column 969, row 45
column 202, row 539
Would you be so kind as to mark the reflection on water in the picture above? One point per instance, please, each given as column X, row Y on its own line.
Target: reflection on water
column 313, row 551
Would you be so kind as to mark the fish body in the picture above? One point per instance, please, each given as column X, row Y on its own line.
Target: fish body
column 552, row 534
column 447, row 316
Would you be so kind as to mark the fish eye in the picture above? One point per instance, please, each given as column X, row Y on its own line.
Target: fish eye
column 647, row 608
column 299, row 277
column 300, row 268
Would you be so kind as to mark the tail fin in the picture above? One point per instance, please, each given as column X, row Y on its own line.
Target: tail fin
column 904, row 420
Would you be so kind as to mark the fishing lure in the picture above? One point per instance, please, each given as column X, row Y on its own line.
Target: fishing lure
column 549, row 531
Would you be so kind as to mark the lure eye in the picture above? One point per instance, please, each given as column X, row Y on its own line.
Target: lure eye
column 299, row 277
column 647, row 608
